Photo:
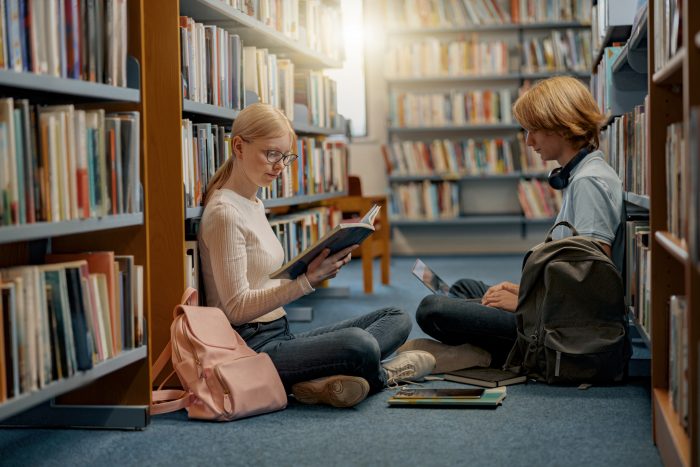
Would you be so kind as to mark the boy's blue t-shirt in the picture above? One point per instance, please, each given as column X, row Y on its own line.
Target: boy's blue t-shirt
column 593, row 203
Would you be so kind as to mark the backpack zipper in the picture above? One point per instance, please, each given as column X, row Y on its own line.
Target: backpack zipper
column 557, row 364
column 228, row 400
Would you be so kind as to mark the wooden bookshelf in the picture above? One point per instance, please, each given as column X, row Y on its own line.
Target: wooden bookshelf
column 673, row 91
column 470, row 220
column 168, row 217
column 114, row 393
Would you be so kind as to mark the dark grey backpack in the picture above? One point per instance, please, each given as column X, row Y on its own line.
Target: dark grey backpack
column 571, row 316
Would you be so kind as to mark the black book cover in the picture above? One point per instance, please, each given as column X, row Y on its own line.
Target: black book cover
column 81, row 333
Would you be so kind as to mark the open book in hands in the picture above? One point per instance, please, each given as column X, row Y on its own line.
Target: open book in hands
column 339, row 238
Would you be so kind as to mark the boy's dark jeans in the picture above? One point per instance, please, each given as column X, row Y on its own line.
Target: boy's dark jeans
column 454, row 321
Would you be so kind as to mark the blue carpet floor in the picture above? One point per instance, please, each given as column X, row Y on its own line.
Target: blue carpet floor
column 536, row 425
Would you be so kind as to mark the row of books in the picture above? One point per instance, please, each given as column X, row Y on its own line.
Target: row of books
column 65, row 316
column 456, row 107
column 80, row 39
column 668, row 30
column 431, row 56
column 298, row 231
column 62, row 163
column 218, row 69
column 567, row 50
column 676, row 188
column 624, row 144
column 678, row 357
column 456, row 13
column 313, row 23
column 538, row 200
column 211, row 64
column 637, row 272
column 320, row 168
column 425, row 200
column 205, row 148
column 461, row 157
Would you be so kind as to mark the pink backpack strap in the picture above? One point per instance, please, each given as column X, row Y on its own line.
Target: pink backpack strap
column 170, row 400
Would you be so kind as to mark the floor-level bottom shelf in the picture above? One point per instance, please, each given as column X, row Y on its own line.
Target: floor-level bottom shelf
column 24, row 402
column 669, row 436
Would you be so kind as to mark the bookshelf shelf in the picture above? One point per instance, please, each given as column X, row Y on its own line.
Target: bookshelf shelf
column 305, row 199
column 305, row 128
column 26, row 401
column 254, row 32
column 458, row 177
column 671, row 439
column 192, row 213
column 478, row 78
column 641, row 201
column 226, row 116
column 464, row 220
column 673, row 245
column 74, row 88
column 639, row 31
column 456, row 128
column 454, row 79
column 212, row 112
column 488, row 27
column 672, row 72
column 640, row 329
column 24, row 232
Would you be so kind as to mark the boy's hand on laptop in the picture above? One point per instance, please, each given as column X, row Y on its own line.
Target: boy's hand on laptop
column 503, row 295
column 507, row 286
column 502, row 298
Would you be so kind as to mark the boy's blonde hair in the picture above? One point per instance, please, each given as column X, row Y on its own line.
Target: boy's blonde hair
column 255, row 122
column 564, row 105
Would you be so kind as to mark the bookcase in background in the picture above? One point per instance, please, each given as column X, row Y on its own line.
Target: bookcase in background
column 674, row 69
column 455, row 155
column 307, row 45
column 114, row 392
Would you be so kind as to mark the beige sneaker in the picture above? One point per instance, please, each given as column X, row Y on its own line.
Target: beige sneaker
column 412, row 365
column 450, row 357
column 338, row 391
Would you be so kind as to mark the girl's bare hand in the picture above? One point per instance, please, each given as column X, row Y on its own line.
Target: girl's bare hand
column 326, row 266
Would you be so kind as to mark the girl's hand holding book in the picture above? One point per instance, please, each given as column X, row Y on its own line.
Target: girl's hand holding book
column 326, row 267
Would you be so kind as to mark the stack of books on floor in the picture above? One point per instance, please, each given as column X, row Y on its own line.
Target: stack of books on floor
column 448, row 397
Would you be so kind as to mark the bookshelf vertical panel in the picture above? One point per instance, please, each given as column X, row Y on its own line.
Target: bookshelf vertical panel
column 164, row 181
column 691, row 72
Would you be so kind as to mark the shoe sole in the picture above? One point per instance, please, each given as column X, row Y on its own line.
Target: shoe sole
column 337, row 391
column 450, row 357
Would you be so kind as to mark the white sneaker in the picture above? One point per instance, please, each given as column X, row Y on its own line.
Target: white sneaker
column 450, row 357
column 412, row 365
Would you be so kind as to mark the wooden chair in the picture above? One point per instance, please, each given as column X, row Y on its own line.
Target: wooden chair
column 355, row 205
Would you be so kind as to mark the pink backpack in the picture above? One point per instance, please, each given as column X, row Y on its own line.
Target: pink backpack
column 223, row 378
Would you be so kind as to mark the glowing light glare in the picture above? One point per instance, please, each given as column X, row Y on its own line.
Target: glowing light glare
column 351, row 77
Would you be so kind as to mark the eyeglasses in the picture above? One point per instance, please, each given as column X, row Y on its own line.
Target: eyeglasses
column 273, row 157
